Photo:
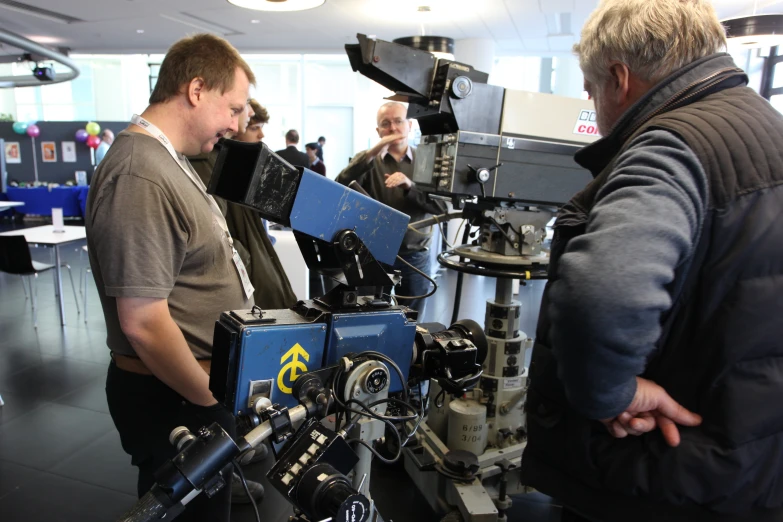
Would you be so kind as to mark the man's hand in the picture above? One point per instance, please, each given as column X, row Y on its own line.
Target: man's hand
column 652, row 407
column 398, row 179
column 160, row 344
column 382, row 147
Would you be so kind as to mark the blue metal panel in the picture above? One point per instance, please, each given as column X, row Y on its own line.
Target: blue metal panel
column 387, row 332
column 324, row 207
column 278, row 352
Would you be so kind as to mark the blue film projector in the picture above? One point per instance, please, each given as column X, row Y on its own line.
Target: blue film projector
column 258, row 354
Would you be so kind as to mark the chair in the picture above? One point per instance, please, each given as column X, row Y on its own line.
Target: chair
column 83, row 279
column 15, row 259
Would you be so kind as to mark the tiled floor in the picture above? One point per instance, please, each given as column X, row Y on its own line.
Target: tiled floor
column 60, row 456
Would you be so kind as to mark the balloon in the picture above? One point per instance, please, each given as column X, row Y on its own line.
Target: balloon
column 92, row 128
column 33, row 131
column 93, row 142
column 81, row 135
column 20, row 127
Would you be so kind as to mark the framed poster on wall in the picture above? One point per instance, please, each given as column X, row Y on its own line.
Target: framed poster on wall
column 48, row 151
column 12, row 152
column 69, row 151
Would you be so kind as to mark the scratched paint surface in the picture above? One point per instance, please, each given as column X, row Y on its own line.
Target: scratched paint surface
column 323, row 207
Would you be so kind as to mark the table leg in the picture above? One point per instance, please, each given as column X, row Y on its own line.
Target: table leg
column 57, row 269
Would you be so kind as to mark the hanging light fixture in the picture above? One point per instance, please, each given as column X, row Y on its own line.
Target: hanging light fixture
column 755, row 31
column 751, row 32
column 277, row 5
column 440, row 46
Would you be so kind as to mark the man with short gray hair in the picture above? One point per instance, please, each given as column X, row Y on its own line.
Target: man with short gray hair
column 384, row 171
column 656, row 374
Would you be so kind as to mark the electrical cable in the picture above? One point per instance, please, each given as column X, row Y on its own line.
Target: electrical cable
column 431, row 280
column 378, row 455
column 418, row 231
column 439, row 398
column 503, row 232
column 393, row 298
column 388, row 423
column 387, row 420
column 460, row 276
column 246, row 488
column 421, row 414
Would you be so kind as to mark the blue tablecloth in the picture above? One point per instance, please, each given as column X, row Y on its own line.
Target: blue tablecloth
column 41, row 200
column 10, row 211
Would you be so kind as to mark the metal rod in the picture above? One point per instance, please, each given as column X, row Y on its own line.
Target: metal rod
column 35, row 160
column 57, row 269
column 504, row 291
column 261, row 432
column 20, row 42
column 434, row 220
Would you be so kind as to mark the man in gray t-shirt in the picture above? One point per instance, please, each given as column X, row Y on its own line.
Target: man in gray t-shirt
column 161, row 237
column 162, row 260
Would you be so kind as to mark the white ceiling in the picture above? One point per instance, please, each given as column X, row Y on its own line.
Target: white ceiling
column 518, row 27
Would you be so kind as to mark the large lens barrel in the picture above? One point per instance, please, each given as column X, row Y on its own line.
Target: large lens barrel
column 324, row 492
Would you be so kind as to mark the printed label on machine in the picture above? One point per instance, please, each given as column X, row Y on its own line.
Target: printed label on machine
column 293, row 368
column 512, row 382
column 586, row 124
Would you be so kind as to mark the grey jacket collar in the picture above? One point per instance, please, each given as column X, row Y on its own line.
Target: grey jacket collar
column 691, row 83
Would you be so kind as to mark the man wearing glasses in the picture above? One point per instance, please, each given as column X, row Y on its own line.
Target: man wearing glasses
column 385, row 171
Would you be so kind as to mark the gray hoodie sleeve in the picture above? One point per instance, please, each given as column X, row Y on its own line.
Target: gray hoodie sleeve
column 612, row 285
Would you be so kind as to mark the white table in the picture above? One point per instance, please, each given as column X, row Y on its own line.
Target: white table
column 5, row 205
column 46, row 235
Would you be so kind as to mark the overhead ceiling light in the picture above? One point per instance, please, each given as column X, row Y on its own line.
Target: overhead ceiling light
column 255, row 21
column 46, row 40
column 140, row 31
column 751, row 32
column 38, row 12
column 277, row 5
column 202, row 24
column 440, row 46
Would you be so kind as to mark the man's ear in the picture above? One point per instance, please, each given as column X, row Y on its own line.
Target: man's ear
column 378, row 130
column 620, row 82
column 195, row 90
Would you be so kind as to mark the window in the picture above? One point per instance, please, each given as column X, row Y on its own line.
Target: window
column 522, row 73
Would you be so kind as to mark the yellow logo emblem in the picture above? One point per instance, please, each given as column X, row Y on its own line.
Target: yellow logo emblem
column 294, row 368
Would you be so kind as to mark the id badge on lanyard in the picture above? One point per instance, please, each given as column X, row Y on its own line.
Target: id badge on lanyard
column 247, row 286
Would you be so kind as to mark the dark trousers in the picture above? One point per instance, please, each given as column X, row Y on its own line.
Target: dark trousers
column 145, row 411
column 570, row 516
column 413, row 284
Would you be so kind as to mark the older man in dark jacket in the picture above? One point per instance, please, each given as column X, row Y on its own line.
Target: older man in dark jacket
column 657, row 370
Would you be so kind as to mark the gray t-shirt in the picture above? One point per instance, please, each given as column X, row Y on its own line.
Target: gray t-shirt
column 152, row 233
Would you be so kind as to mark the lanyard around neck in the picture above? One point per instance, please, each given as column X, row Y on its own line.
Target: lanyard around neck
column 156, row 133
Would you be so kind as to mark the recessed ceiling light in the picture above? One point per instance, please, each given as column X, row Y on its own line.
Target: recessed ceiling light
column 277, row 5
column 753, row 32
column 140, row 31
column 255, row 21
column 46, row 40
